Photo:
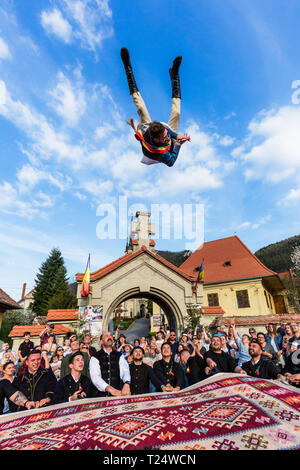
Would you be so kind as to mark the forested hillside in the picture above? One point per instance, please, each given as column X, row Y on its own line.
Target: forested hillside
column 277, row 256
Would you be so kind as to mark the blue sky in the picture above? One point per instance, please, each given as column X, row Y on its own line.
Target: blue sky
column 66, row 149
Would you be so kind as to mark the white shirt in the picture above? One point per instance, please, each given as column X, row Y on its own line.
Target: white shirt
column 96, row 377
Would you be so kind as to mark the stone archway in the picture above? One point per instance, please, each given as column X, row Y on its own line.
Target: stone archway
column 142, row 274
column 167, row 303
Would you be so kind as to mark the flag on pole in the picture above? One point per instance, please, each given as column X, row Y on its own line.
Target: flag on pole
column 85, row 285
column 200, row 275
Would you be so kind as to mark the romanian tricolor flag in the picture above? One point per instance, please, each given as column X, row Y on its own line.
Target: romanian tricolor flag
column 139, row 136
column 200, row 275
column 85, row 286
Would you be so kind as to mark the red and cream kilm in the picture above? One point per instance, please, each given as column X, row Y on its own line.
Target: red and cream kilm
column 226, row 412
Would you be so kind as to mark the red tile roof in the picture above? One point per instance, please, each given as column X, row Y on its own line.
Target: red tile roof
column 62, row 314
column 258, row 320
column 213, row 310
column 35, row 330
column 130, row 256
column 243, row 263
column 7, row 300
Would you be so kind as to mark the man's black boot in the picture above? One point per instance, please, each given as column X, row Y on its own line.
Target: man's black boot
column 128, row 70
column 174, row 74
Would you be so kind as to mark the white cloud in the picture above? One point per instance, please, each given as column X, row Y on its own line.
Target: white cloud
column 69, row 101
column 226, row 141
column 4, row 50
column 54, row 23
column 291, row 199
column 88, row 21
column 12, row 203
column 271, row 151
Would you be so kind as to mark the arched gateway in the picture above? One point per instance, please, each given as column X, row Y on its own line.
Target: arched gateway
column 142, row 273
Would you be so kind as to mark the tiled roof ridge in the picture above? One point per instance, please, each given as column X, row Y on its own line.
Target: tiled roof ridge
column 19, row 330
column 128, row 257
column 233, row 237
column 7, row 300
column 253, row 255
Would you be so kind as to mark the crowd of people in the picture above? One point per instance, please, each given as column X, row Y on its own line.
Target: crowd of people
column 49, row 373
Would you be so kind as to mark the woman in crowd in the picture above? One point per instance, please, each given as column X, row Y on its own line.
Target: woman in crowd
column 231, row 339
column 143, row 342
column 273, row 338
column 8, row 371
column 283, row 353
column 243, row 347
column 187, row 344
column 50, row 347
column 204, row 340
column 151, row 352
column 288, row 330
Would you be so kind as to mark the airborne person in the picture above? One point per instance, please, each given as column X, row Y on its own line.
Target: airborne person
column 160, row 141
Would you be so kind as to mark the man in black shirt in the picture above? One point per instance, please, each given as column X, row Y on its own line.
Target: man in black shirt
column 171, row 339
column 74, row 385
column 193, row 367
column 259, row 367
column 141, row 374
column 25, row 347
column 36, row 383
column 168, row 372
column 219, row 361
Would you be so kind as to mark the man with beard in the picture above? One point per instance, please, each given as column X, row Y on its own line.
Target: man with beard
column 258, row 367
column 160, row 141
column 109, row 370
column 219, row 361
column 168, row 372
column 74, row 385
column 142, row 374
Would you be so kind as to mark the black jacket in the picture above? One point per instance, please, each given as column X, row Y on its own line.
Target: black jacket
column 262, row 370
column 196, row 366
column 169, row 373
column 35, row 387
column 140, row 379
column 67, row 386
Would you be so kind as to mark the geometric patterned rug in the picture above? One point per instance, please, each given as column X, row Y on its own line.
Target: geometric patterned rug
column 225, row 412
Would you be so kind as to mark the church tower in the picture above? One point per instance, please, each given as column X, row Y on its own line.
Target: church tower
column 140, row 231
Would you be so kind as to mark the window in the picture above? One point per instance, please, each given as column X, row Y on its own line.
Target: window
column 242, row 299
column 227, row 263
column 213, row 300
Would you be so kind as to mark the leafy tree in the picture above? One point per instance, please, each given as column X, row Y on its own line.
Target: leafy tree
column 12, row 318
column 194, row 316
column 63, row 299
column 51, row 285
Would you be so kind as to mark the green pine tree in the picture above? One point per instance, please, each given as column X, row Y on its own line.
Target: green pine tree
column 51, row 282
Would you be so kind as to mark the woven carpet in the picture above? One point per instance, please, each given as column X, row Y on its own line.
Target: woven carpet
column 226, row 412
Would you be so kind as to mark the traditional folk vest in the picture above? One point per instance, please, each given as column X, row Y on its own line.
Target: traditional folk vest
column 109, row 366
column 147, row 148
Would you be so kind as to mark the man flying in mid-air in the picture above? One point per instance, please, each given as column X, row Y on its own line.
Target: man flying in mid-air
column 160, row 141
